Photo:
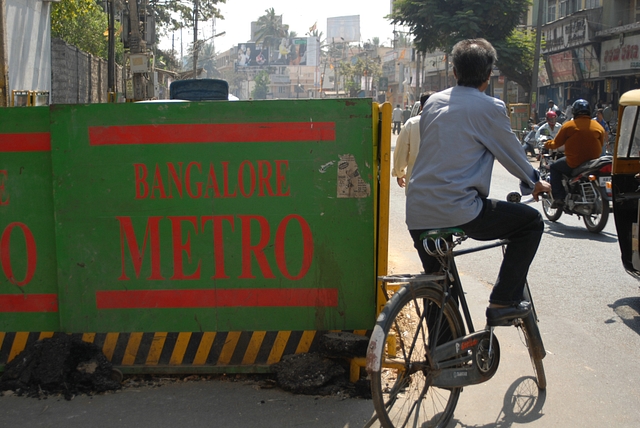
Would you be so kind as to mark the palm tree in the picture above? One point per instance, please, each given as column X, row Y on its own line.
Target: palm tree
column 270, row 29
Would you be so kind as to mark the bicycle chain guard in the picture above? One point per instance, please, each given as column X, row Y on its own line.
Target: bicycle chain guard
column 466, row 361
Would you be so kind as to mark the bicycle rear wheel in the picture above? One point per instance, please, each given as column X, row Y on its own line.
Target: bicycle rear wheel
column 401, row 386
column 533, row 341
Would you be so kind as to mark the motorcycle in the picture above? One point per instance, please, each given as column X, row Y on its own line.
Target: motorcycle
column 528, row 141
column 588, row 190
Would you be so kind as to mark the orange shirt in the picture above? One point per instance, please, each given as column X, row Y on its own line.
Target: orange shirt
column 583, row 139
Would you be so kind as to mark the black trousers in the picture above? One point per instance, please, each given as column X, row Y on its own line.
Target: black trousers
column 519, row 223
column 396, row 127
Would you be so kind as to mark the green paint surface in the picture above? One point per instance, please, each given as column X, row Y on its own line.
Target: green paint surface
column 28, row 279
column 214, row 216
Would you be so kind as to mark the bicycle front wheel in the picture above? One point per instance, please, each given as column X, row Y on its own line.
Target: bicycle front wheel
column 401, row 377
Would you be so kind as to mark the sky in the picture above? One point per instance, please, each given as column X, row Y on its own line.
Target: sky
column 300, row 15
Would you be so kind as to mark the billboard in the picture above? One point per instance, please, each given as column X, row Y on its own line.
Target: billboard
column 252, row 55
column 291, row 51
column 343, row 29
column 563, row 67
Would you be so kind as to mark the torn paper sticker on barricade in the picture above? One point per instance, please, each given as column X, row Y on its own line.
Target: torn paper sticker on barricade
column 350, row 184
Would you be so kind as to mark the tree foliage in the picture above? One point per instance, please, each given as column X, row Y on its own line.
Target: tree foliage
column 171, row 15
column 515, row 57
column 83, row 24
column 438, row 25
column 206, row 59
column 270, row 28
column 262, row 86
column 362, row 71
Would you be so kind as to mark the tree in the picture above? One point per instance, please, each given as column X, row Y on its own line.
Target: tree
column 262, row 86
column 206, row 58
column 441, row 24
column 83, row 24
column 270, row 29
column 167, row 59
column 173, row 15
column 515, row 57
column 364, row 70
column 235, row 79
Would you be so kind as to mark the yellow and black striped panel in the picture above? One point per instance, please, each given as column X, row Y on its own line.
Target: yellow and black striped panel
column 183, row 349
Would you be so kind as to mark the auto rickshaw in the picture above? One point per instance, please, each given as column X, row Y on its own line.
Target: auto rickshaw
column 625, row 181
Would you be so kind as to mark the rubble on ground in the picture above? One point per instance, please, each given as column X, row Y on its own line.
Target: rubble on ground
column 67, row 366
column 59, row 365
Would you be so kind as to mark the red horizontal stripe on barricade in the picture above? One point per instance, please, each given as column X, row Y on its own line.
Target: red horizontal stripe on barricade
column 274, row 297
column 28, row 303
column 27, row 142
column 212, row 133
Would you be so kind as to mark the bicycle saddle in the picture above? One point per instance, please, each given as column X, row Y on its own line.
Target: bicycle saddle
column 445, row 232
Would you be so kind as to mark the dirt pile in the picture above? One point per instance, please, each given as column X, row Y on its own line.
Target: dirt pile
column 59, row 365
column 325, row 372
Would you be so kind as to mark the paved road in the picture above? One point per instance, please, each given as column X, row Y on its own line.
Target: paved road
column 589, row 317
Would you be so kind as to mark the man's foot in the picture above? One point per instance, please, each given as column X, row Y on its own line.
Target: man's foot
column 557, row 203
column 504, row 315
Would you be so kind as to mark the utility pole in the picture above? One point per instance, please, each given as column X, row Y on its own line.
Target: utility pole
column 4, row 69
column 418, row 76
column 533, row 99
column 137, row 46
column 195, row 39
column 112, row 53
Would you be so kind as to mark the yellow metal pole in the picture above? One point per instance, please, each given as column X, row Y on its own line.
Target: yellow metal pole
column 384, row 157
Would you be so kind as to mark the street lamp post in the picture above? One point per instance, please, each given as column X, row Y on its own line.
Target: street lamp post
column 533, row 99
column 195, row 38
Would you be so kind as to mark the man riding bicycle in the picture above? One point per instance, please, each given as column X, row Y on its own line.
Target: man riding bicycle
column 451, row 177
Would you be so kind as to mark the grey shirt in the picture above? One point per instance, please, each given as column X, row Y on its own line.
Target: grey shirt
column 462, row 132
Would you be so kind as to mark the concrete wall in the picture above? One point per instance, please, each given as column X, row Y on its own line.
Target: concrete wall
column 78, row 77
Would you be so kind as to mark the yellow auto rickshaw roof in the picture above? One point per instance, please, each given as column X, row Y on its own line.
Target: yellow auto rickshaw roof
column 630, row 98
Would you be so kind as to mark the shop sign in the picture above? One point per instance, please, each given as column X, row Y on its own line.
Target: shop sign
column 620, row 54
column 543, row 76
column 565, row 34
column 588, row 62
column 563, row 68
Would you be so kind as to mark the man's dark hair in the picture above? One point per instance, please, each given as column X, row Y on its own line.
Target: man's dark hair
column 473, row 60
column 424, row 97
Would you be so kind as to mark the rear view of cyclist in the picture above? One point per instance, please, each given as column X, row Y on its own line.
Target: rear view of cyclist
column 462, row 131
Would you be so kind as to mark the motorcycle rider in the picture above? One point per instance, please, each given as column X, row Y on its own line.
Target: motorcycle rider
column 549, row 129
column 583, row 139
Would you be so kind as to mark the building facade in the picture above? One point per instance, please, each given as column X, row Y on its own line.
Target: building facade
column 590, row 51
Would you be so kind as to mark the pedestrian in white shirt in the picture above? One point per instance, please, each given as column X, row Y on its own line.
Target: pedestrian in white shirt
column 407, row 145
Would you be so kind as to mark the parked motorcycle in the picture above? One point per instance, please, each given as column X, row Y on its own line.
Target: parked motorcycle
column 588, row 190
column 528, row 141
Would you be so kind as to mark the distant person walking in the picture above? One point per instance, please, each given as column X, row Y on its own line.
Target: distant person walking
column 406, row 114
column 396, row 118
column 407, row 146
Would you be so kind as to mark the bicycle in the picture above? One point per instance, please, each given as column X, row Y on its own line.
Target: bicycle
column 427, row 318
